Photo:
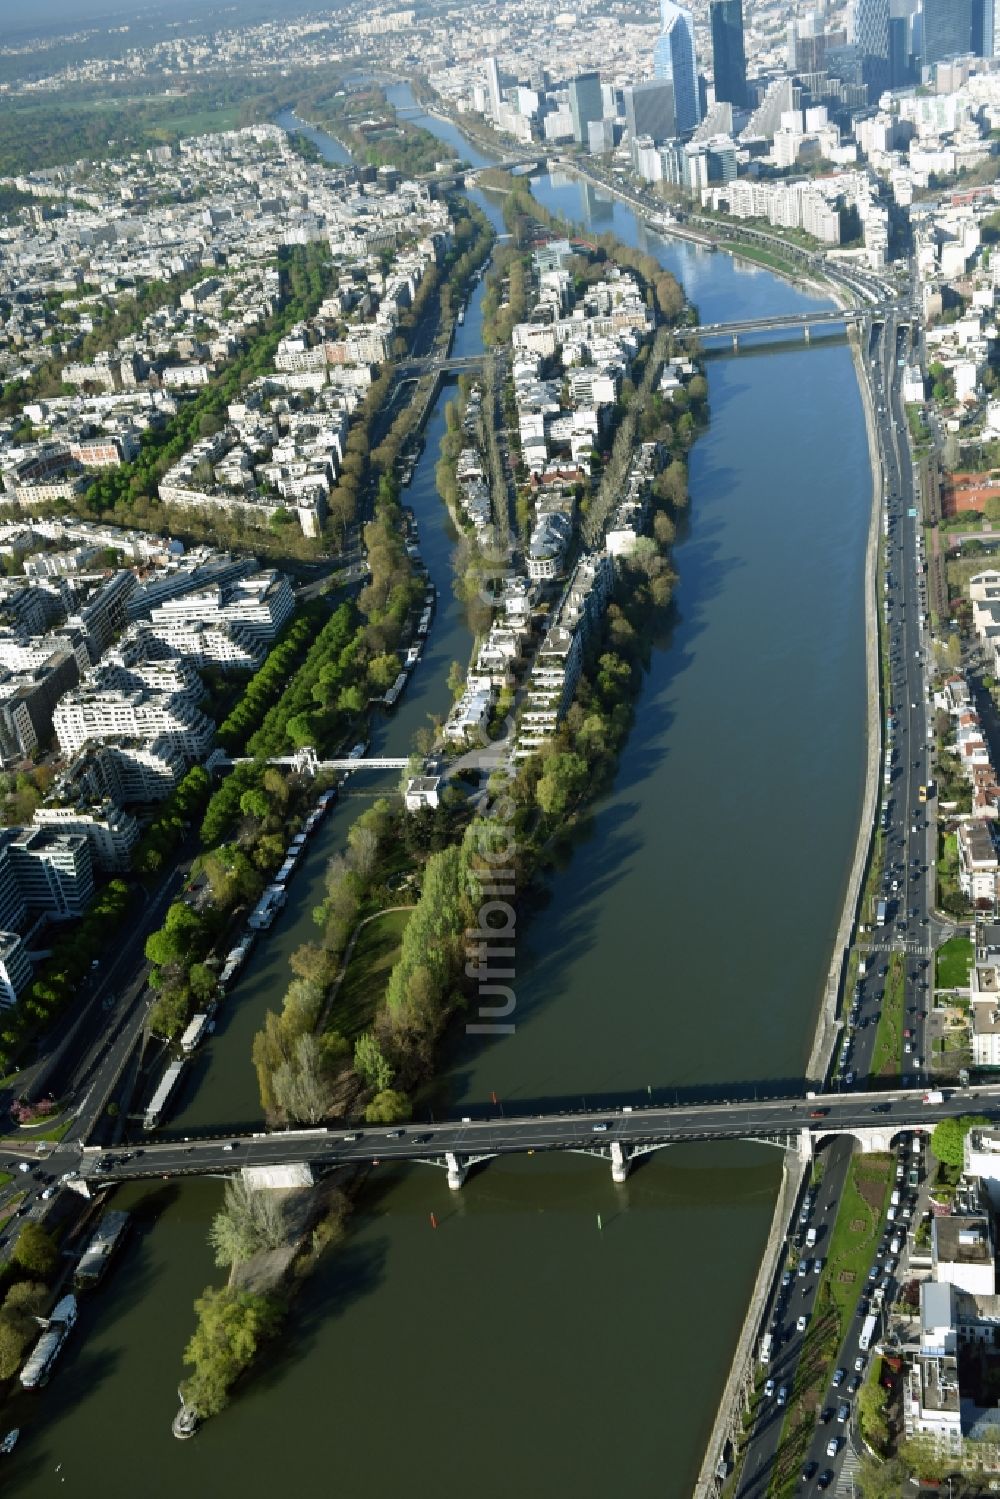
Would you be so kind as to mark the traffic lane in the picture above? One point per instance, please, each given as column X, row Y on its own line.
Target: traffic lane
column 766, row 1436
column 488, row 1141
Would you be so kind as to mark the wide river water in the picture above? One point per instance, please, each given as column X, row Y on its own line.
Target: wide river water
column 519, row 1349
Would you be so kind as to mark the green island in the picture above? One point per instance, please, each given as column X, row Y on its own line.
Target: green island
column 363, row 1021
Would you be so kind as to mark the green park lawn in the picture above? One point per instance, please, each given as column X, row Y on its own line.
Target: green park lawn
column 375, row 952
column 953, row 962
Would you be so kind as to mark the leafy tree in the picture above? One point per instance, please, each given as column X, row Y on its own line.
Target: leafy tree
column 948, row 1139
column 388, row 1107
column 254, row 803
column 370, row 1063
column 562, row 782
column 23, row 1303
column 176, row 938
column 203, row 982
column 881, row 1480
column 168, row 1016
column 311, row 962
column 35, row 1250
column 232, row 1325
column 12, row 1347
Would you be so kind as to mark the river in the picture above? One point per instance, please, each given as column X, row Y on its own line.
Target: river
column 520, row 1348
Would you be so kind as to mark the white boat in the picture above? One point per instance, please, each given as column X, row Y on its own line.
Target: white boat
column 40, row 1361
column 267, row 907
column 10, row 1441
column 161, row 1097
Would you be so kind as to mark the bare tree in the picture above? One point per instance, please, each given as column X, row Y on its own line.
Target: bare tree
column 302, row 1086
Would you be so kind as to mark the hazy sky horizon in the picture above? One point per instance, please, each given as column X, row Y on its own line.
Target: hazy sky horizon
column 45, row 15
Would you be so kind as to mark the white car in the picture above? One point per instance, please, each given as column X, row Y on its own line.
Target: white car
column 800, row 1324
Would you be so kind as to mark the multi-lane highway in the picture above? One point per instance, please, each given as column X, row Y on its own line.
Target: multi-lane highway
column 909, row 872
column 633, row 1129
column 910, row 833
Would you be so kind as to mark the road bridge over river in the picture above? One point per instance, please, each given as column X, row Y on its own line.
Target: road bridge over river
column 618, row 1134
column 786, row 322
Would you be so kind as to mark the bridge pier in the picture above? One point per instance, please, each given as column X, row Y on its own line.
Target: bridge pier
column 736, row 343
column 620, row 1162
column 458, row 1170
column 806, row 333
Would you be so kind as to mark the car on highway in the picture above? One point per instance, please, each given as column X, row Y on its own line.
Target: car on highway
column 800, row 1323
column 809, row 1472
column 853, row 1385
column 839, row 1375
column 786, row 1279
column 843, row 1412
column 825, row 1479
column 833, row 1447
column 395, row 1134
column 768, row 1388
column 782, row 1396
column 803, row 1270
column 859, row 1364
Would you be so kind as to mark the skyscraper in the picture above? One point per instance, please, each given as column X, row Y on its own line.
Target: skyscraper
column 982, row 27
column 870, row 27
column 493, row 85
column 674, row 59
column 947, row 30
column 585, row 104
column 900, row 42
column 649, row 110
column 728, row 55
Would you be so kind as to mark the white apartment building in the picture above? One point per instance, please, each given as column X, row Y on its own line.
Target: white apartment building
column 132, row 772
column 109, row 708
column 53, row 871
column 15, row 968
column 261, row 605
column 111, row 832
column 228, row 647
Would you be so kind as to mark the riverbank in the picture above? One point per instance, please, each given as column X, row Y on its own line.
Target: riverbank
column 728, row 1423
column 827, row 1031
